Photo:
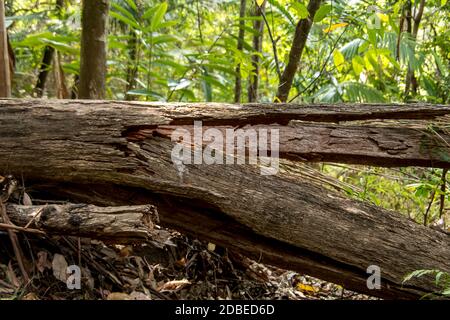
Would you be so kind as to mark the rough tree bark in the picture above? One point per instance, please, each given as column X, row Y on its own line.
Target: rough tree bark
column 93, row 49
column 298, row 44
column 122, row 151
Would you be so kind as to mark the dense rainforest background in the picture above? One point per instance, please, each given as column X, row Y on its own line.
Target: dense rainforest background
column 231, row 51
column 253, row 51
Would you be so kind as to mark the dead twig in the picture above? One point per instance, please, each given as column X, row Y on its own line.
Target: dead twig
column 20, row 229
column 36, row 216
column 8, row 190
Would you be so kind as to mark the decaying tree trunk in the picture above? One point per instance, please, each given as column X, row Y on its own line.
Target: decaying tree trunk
column 119, row 153
column 125, row 224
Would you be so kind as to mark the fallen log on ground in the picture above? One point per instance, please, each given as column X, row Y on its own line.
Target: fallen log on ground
column 114, row 153
column 125, row 224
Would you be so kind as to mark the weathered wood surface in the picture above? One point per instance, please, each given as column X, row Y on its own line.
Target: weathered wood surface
column 408, row 143
column 102, row 153
column 125, row 224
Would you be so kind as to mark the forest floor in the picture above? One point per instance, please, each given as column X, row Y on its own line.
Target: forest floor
column 182, row 268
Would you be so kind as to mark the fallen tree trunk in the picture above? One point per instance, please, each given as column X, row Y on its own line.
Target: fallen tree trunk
column 123, row 152
column 125, row 224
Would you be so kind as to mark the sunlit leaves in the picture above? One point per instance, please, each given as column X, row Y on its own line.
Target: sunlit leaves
column 158, row 15
column 350, row 49
column 260, row 2
column 360, row 92
column 349, row 91
column 323, row 11
column 122, row 14
column 164, row 38
column 60, row 42
column 166, row 51
column 442, row 279
column 357, row 65
column 338, row 59
column 300, row 9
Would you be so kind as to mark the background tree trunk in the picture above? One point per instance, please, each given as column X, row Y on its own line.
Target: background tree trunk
column 44, row 69
column 93, row 49
column 412, row 85
column 132, row 69
column 258, row 25
column 298, row 44
column 47, row 59
column 5, row 73
column 240, row 46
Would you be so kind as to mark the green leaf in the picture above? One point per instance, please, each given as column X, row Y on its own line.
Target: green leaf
column 442, row 68
column 350, row 49
column 418, row 274
column 168, row 24
column 178, row 67
column 214, row 80
column 164, row 38
column 322, row 12
column 206, row 86
column 372, row 36
column 281, row 7
column 338, row 59
column 359, row 92
column 301, row 9
column 61, row 47
column 438, row 277
column 363, row 47
column 124, row 11
column 358, row 65
column 149, row 13
column 145, row 93
column 131, row 23
column 158, row 16
column 328, row 93
column 132, row 5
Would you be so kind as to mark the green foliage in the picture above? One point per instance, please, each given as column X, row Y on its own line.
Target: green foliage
column 322, row 12
column 442, row 279
column 187, row 49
